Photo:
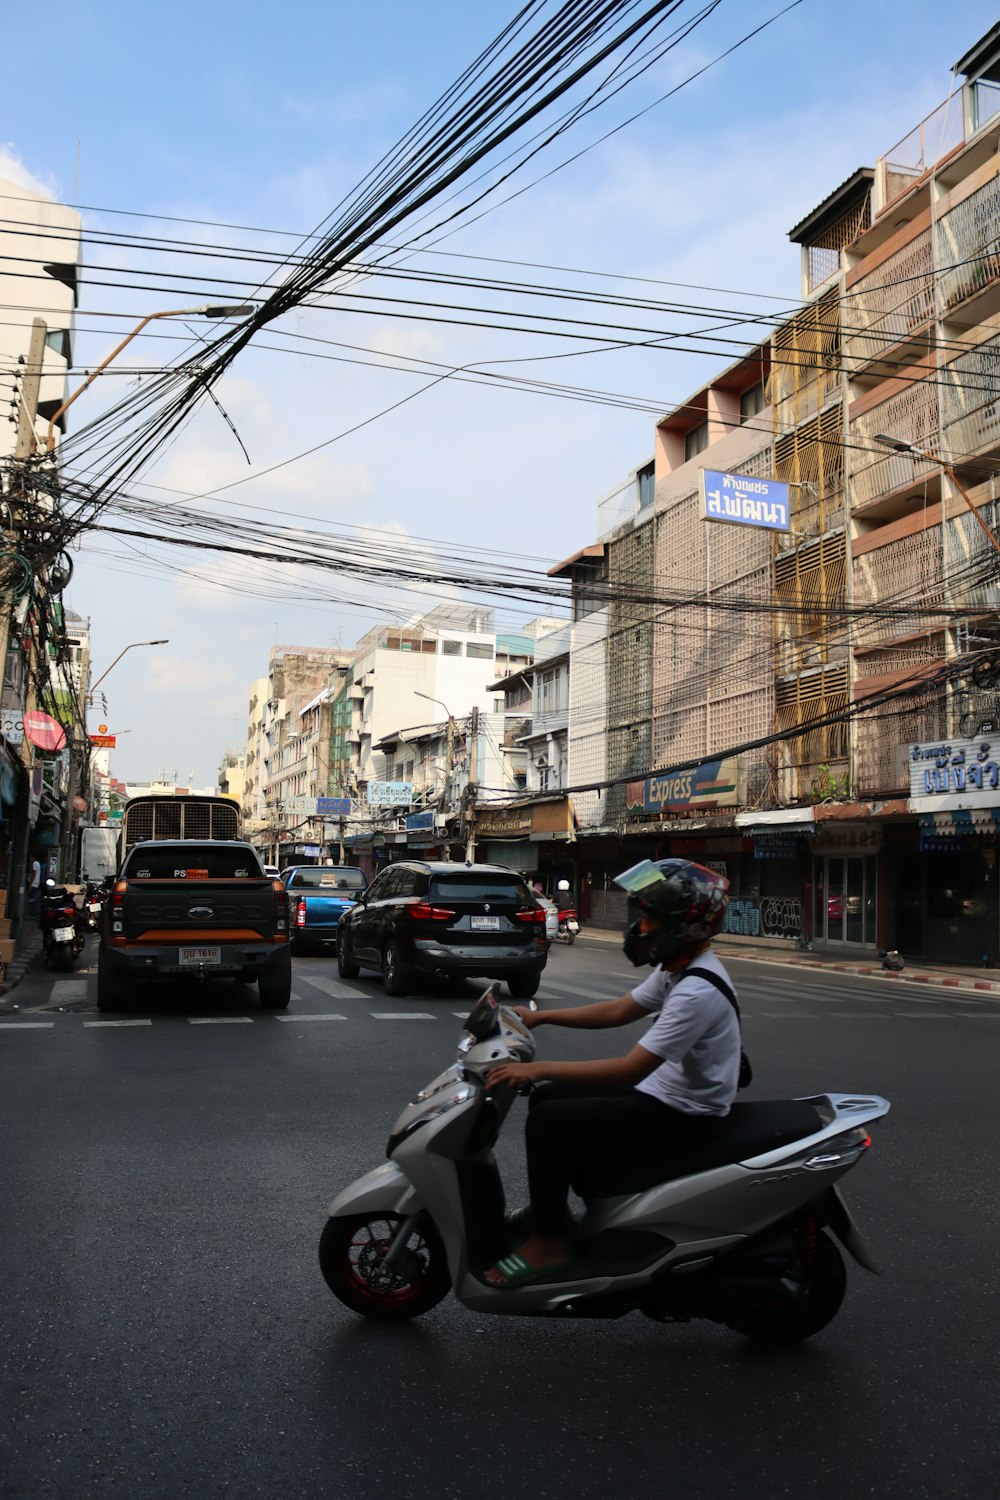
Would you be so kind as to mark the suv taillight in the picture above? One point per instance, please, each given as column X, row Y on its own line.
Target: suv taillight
column 280, row 908
column 531, row 914
column 422, row 911
column 118, row 911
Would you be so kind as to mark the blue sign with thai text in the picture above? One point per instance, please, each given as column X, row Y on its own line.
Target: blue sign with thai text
column 417, row 821
column 333, row 807
column 743, row 500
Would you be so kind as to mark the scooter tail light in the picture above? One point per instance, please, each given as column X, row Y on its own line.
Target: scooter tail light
column 422, row 911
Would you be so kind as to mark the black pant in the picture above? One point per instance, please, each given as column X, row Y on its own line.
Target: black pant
column 575, row 1128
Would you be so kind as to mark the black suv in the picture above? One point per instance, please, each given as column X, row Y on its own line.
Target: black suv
column 447, row 921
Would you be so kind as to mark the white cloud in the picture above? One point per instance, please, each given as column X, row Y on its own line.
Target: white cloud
column 13, row 169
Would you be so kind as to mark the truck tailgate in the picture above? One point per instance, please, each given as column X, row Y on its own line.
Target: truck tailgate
column 163, row 910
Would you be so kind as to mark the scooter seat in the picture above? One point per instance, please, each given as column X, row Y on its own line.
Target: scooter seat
column 748, row 1130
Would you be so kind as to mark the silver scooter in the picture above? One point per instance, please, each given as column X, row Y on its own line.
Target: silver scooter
column 737, row 1232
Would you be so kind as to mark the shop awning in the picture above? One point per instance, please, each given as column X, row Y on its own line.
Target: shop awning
column 968, row 823
column 783, row 819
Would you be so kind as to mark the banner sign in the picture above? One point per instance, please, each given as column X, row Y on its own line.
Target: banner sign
column 968, row 770
column 333, row 807
column 715, row 784
column 103, row 741
column 317, row 807
column 12, row 725
column 418, row 821
column 744, row 501
column 503, row 823
column 390, row 793
column 775, row 845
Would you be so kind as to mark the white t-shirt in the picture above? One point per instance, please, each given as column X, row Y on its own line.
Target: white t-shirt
column 697, row 1035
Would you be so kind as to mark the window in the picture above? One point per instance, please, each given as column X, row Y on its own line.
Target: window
column 498, row 705
column 57, row 339
column 451, row 648
column 479, row 888
column 552, row 691
column 408, row 771
column 481, row 649
column 194, row 862
column 646, row 482
column 322, row 877
column 695, row 441
column 752, row 401
column 390, row 769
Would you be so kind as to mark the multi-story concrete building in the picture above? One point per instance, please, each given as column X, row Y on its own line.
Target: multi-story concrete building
column 793, row 673
column 294, row 733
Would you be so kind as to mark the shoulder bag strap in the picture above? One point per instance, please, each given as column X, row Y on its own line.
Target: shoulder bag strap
column 720, row 985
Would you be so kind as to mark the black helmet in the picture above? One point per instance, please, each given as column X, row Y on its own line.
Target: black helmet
column 687, row 901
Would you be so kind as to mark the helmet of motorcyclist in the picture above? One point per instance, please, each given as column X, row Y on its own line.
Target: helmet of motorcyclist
column 680, row 908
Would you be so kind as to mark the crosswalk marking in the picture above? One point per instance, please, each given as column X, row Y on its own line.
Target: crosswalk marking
column 335, row 988
column 66, row 990
column 220, row 1020
column 310, row 1018
column 401, row 1015
column 145, row 1022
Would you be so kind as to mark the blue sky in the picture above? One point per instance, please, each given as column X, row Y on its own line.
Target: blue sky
column 263, row 117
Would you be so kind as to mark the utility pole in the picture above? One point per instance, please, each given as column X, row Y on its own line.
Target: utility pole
column 26, row 441
column 470, row 791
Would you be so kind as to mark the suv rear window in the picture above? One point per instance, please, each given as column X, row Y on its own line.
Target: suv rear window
column 328, row 879
column 193, row 863
column 478, row 888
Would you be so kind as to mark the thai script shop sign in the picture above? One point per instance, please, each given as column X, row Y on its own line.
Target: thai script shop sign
column 967, row 770
column 744, row 501
column 390, row 793
column 717, row 783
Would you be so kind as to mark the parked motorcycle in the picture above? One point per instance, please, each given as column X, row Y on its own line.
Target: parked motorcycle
column 93, row 904
column 62, row 925
column 739, row 1232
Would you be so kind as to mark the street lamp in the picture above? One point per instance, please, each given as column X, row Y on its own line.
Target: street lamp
column 899, row 445
column 130, row 647
column 208, row 310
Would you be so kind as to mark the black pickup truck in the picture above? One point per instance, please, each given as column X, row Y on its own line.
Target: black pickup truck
column 194, row 908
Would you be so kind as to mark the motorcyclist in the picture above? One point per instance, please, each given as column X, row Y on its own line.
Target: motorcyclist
column 664, row 1098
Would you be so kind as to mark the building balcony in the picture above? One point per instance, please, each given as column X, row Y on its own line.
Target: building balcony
column 968, row 256
column 889, row 309
column 907, row 165
column 909, row 413
column 970, row 403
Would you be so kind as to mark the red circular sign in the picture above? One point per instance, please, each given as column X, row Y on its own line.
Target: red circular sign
column 44, row 731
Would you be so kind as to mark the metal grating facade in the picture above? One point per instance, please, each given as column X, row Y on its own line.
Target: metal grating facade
column 970, row 400
column 968, row 246
column 907, row 569
column 890, row 303
column 911, row 414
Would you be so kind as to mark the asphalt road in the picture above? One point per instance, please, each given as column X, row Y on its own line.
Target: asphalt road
column 166, row 1332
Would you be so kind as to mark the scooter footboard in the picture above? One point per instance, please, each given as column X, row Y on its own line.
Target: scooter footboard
column 383, row 1190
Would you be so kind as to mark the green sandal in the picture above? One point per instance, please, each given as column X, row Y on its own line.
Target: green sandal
column 517, row 1272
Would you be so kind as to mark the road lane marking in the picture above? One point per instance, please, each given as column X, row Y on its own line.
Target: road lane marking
column 27, row 1025
column 311, row 1018
column 220, row 1020
column 401, row 1015
column 146, row 1022
column 463, row 1015
column 335, row 988
column 64, row 990
column 924, row 1015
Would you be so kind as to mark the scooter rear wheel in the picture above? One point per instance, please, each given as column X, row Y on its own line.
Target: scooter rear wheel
column 817, row 1305
column 351, row 1252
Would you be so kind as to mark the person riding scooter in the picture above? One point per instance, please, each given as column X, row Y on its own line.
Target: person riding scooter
column 664, row 1098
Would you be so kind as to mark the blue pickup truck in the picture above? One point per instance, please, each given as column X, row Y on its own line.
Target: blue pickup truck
column 318, row 896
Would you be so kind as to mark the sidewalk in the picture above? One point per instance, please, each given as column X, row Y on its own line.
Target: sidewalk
column 782, row 951
column 28, row 948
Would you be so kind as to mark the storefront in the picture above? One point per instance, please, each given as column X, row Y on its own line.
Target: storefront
column 947, row 888
column 845, row 885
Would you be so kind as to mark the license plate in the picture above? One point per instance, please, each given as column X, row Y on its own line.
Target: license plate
column 64, row 934
column 485, row 924
column 95, row 906
column 197, row 956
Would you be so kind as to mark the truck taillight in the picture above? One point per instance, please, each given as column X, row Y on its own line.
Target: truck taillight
column 118, row 909
column 280, row 908
column 300, row 914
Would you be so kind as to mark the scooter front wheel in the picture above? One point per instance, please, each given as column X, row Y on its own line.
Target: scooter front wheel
column 351, row 1255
